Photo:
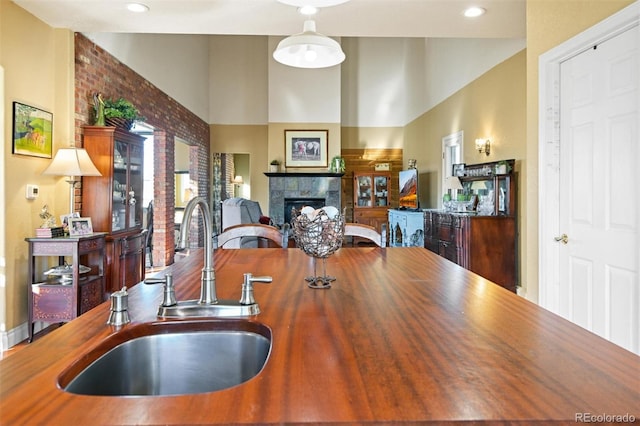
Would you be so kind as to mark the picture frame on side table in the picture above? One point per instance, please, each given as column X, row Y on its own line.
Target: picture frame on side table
column 32, row 131
column 306, row 148
column 64, row 220
column 79, row 226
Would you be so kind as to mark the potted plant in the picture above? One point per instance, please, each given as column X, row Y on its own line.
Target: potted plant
column 121, row 113
column 337, row 164
column 502, row 168
column 274, row 165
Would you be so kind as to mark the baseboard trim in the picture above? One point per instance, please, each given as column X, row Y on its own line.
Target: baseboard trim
column 9, row 339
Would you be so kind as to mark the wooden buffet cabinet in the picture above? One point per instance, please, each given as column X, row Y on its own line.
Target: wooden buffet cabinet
column 113, row 201
column 482, row 241
column 371, row 198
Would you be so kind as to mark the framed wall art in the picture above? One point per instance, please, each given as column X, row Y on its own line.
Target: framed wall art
column 32, row 131
column 305, row 148
column 458, row 169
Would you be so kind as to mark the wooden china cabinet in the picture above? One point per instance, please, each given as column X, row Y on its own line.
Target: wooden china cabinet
column 113, row 201
column 371, row 198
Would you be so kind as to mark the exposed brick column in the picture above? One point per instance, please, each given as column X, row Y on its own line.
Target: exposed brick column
column 163, row 190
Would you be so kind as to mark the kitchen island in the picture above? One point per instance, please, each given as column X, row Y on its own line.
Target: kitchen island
column 403, row 335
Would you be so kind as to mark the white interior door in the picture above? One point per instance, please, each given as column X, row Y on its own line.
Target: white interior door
column 599, row 192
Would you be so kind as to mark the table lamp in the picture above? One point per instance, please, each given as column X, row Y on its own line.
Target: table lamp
column 72, row 162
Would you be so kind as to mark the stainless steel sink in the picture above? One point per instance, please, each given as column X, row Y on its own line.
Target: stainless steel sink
column 171, row 358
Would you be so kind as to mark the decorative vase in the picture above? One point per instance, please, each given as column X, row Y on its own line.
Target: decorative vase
column 273, row 168
column 319, row 235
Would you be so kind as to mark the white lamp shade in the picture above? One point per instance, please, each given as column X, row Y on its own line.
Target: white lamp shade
column 309, row 49
column 72, row 162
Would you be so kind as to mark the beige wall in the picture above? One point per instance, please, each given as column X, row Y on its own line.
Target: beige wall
column 38, row 64
column 549, row 23
column 246, row 139
column 372, row 137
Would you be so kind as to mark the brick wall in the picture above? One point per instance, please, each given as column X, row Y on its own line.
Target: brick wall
column 98, row 71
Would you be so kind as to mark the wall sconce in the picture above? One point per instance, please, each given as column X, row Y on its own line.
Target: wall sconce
column 483, row 145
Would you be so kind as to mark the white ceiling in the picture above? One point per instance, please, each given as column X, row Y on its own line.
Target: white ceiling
column 356, row 18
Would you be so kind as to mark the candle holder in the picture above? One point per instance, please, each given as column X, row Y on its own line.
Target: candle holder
column 319, row 234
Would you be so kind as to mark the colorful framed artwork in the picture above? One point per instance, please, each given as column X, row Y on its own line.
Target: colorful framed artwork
column 32, row 131
column 306, row 148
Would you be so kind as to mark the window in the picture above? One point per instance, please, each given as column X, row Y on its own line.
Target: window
column 452, row 149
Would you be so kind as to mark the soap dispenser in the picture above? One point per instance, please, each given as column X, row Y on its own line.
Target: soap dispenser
column 119, row 314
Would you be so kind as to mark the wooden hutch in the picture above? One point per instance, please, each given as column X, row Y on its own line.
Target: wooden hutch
column 113, row 201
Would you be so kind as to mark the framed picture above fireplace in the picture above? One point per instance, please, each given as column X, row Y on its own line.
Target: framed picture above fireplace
column 305, row 148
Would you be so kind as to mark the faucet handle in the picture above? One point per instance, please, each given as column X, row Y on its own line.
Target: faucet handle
column 169, row 298
column 156, row 280
column 247, row 287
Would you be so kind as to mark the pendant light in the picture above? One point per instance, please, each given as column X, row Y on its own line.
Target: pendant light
column 309, row 49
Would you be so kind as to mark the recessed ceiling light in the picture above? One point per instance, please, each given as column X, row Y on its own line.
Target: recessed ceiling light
column 474, row 12
column 316, row 3
column 137, row 7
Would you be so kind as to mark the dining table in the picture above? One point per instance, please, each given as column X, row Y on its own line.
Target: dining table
column 402, row 336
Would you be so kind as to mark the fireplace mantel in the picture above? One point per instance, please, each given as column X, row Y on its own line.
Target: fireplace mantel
column 303, row 174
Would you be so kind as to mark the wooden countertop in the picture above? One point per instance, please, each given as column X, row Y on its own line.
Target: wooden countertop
column 403, row 335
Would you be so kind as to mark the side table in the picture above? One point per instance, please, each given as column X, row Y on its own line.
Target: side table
column 62, row 298
column 406, row 228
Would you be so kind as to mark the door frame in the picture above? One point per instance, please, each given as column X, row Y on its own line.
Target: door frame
column 549, row 143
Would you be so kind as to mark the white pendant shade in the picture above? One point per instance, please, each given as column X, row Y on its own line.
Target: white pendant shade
column 309, row 49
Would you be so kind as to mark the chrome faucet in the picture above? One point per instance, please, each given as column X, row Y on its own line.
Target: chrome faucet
column 208, row 305
column 208, row 279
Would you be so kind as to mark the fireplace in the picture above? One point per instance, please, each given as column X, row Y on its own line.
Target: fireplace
column 299, row 189
column 298, row 203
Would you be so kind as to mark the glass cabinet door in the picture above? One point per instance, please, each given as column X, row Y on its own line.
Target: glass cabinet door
column 503, row 196
column 136, row 155
column 119, row 215
column 381, row 191
column 127, row 186
column 363, row 191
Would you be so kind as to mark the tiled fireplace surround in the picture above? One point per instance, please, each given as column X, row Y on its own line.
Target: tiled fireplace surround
column 315, row 189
